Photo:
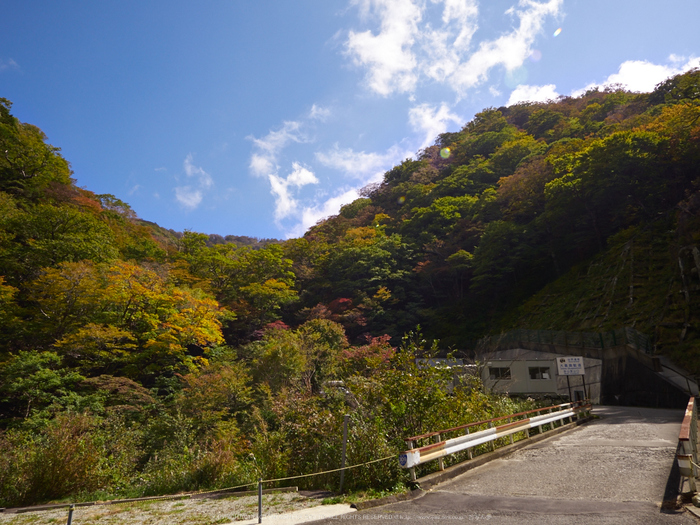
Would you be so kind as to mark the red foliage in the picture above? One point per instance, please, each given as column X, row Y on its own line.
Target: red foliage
column 340, row 305
column 376, row 354
column 275, row 325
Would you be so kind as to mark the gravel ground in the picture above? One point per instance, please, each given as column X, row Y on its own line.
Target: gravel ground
column 170, row 512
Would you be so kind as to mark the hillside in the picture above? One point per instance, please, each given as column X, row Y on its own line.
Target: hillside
column 647, row 278
column 185, row 360
column 486, row 217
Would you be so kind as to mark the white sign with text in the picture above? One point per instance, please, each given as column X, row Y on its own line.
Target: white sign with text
column 570, row 366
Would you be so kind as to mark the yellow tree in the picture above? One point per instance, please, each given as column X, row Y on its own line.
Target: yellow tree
column 125, row 318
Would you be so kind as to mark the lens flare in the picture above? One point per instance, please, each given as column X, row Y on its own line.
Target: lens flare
column 445, row 153
column 557, row 32
column 536, row 55
column 401, row 199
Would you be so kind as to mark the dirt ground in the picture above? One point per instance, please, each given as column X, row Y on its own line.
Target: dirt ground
column 171, row 512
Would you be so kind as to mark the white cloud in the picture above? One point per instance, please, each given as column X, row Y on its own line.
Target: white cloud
column 643, row 76
column 448, row 45
column 281, row 188
column 366, row 167
column 8, row 64
column 274, row 141
column 285, row 204
column 205, row 180
column 462, row 11
column 431, row 121
column 388, row 55
column 319, row 113
column 362, row 166
column 404, row 50
column 301, row 176
column 509, row 50
column 264, row 161
column 261, row 165
column 191, row 196
column 311, row 215
column 524, row 93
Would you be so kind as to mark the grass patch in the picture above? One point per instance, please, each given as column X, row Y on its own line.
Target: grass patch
column 365, row 495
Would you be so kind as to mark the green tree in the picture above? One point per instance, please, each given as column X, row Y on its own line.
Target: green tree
column 48, row 235
column 27, row 163
column 32, row 382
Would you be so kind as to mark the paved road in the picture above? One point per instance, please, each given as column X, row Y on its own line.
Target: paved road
column 614, row 470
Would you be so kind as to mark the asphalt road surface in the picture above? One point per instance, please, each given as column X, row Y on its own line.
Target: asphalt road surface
column 613, row 470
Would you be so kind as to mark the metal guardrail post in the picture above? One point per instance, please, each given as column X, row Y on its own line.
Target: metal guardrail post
column 412, row 470
column 70, row 514
column 491, row 443
column 441, row 461
column 259, row 500
column 510, row 419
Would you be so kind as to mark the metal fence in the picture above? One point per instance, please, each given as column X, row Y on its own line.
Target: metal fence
column 474, row 434
column 622, row 336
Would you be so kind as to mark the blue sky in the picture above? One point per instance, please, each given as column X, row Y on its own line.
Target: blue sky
column 261, row 117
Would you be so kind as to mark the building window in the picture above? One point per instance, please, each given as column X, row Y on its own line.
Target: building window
column 539, row 372
column 499, row 372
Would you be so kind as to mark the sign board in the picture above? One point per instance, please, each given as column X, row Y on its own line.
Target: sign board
column 570, row 366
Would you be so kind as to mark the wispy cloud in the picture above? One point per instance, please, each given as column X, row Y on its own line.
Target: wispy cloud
column 405, row 50
column 509, row 50
column 188, row 196
column 313, row 214
column 525, row 93
column 319, row 113
column 634, row 75
column 8, row 64
column 364, row 168
column 191, row 195
column 282, row 188
column 643, row 76
column 447, row 46
column 431, row 121
column 263, row 161
column 390, row 62
column 359, row 165
column 205, row 180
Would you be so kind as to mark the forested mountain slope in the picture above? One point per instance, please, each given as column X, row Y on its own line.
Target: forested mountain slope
column 486, row 217
column 170, row 358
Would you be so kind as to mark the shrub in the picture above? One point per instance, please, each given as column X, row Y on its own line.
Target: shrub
column 64, row 459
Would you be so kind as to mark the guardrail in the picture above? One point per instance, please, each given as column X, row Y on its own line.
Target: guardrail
column 520, row 422
column 687, row 455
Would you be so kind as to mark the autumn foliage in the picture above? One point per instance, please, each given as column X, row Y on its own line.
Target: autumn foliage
column 138, row 360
